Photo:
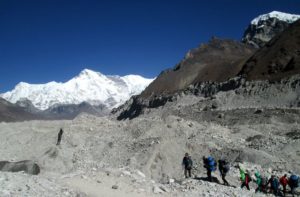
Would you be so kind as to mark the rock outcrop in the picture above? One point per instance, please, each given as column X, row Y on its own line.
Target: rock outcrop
column 27, row 166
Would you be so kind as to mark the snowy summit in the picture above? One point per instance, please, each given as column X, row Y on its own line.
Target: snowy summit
column 289, row 18
column 89, row 86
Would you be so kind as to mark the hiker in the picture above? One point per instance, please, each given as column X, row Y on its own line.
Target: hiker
column 187, row 163
column 210, row 165
column 274, row 183
column 264, row 181
column 293, row 183
column 284, row 181
column 258, row 181
column 224, row 167
column 59, row 136
column 247, row 180
column 244, row 177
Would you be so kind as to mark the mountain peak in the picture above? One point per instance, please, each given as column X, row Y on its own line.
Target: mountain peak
column 89, row 86
column 286, row 17
column 264, row 27
column 89, row 72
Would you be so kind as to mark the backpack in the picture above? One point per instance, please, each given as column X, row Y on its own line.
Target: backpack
column 294, row 180
column 211, row 163
column 247, row 179
column 264, row 181
column 226, row 167
column 275, row 183
column 189, row 162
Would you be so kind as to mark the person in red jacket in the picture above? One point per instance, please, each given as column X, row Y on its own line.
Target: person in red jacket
column 284, row 181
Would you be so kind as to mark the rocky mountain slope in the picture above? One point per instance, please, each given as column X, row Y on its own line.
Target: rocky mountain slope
column 89, row 86
column 277, row 61
column 10, row 112
column 279, row 58
column 218, row 61
column 264, row 27
column 70, row 111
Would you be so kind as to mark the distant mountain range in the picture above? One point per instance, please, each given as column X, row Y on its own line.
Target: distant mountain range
column 89, row 86
column 90, row 92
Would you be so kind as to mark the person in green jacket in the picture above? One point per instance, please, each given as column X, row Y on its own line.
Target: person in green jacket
column 258, row 182
column 242, row 173
column 244, row 177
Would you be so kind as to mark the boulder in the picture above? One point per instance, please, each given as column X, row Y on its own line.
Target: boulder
column 27, row 166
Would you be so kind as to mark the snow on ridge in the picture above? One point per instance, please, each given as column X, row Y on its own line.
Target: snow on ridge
column 89, row 86
column 289, row 18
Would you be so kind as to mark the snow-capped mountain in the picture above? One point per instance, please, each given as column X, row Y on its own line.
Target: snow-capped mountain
column 286, row 17
column 89, row 86
column 264, row 27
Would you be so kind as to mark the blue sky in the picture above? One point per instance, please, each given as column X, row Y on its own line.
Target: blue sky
column 53, row 40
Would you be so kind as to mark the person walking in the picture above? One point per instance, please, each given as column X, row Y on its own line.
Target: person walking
column 274, row 183
column 293, row 183
column 210, row 165
column 284, row 182
column 224, row 167
column 60, row 133
column 244, row 177
column 258, row 182
column 187, row 164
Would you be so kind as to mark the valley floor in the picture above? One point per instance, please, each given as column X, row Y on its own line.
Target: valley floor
column 100, row 156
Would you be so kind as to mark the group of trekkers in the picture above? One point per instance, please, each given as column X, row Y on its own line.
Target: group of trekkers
column 263, row 183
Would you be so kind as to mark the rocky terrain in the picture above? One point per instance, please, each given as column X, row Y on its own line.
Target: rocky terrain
column 142, row 157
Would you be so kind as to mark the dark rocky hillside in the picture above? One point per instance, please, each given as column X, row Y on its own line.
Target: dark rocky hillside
column 10, row 112
column 278, row 59
column 259, row 34
column 217, row 61
column 226, row 66
column 72, row 110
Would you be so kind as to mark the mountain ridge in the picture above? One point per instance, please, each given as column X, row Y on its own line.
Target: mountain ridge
column 229, row 69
